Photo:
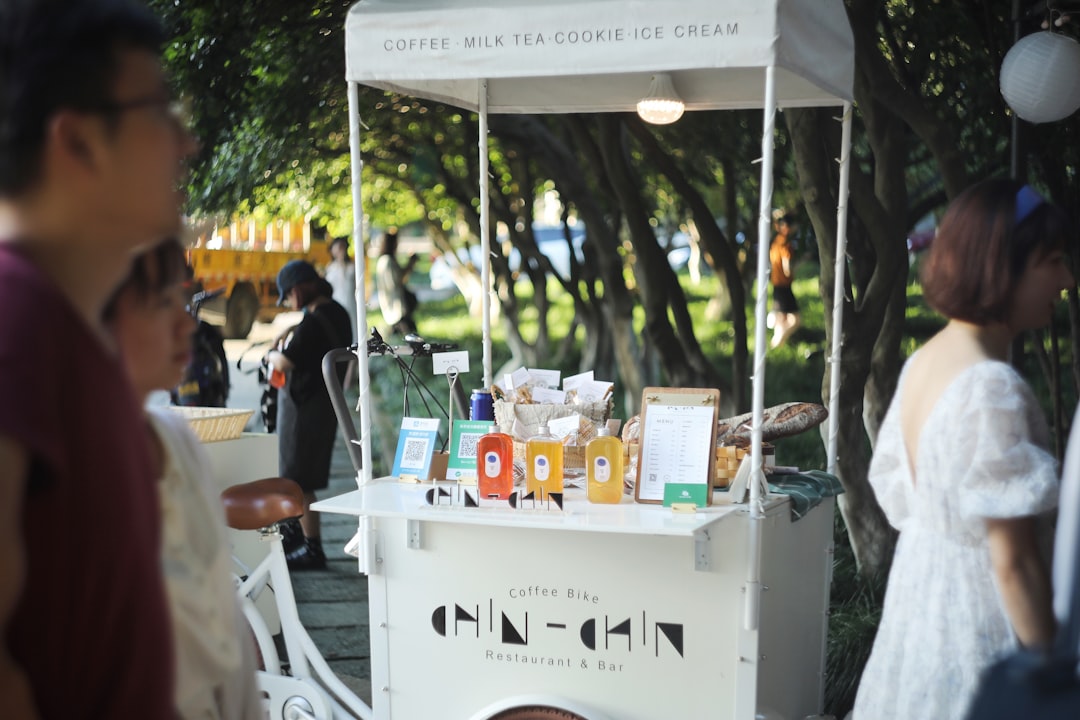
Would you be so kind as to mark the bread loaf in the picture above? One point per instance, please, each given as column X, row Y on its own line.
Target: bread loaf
column 778, row 421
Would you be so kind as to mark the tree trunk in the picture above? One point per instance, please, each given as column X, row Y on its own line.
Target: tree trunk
column 814, row 141
column 719, row 249
column 680, row 354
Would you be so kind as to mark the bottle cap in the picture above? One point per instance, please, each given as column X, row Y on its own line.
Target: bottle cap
column 494, row 428
column 603, row 431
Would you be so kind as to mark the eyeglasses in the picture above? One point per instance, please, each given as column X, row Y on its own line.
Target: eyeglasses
column 176, row 111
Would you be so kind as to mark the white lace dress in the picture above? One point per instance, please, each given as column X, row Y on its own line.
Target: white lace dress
column 980, row 455
column 215, row 666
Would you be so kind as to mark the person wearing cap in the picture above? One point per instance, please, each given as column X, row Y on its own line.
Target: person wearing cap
column 306, row 424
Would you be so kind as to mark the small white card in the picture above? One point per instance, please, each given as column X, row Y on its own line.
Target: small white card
column 444, row 362
column 547, row 395
column 516, row 379
column 561, row 427
column 593, row 391
column 545, row 378
column 572, row 382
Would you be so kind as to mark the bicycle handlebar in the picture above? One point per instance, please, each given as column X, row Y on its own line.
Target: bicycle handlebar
column 201, row 297
column 414, row 345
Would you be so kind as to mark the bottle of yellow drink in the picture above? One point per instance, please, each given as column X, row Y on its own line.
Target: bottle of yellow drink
column 543, row 464
column 604, row 468
column 495, row 464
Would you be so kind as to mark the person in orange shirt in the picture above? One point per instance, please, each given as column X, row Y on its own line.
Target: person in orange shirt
column 784, row 319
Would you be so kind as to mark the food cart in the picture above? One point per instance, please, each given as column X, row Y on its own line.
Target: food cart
column 628, row 611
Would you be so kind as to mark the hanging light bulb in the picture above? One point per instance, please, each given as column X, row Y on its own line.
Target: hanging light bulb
column 662, row 106
column 1040, row 77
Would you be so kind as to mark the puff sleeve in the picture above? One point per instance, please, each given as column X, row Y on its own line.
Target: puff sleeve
column 1010, row 473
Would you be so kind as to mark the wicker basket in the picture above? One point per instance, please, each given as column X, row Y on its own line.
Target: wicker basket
column 728, row 459
column 214, row 424
column 524, row 420
column 573, row 455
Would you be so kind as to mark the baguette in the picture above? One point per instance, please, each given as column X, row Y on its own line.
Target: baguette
column 778, row 421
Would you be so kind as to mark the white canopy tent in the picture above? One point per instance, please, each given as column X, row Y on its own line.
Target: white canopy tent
column 564, row 56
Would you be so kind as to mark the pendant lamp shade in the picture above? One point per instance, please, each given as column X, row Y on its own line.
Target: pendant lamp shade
column 662, row 106
column 1040, row 77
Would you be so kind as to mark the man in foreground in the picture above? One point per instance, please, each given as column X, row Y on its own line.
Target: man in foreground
column 91, row 158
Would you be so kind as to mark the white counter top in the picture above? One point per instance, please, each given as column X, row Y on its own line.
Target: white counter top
column 386, row 497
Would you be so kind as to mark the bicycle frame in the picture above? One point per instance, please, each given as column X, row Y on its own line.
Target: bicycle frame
column 311, row 690
column 376, row 346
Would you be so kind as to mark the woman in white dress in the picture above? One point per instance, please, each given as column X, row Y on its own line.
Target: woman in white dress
column 215, row 658
column 960, row 466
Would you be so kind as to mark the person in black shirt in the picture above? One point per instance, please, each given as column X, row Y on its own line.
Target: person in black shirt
column 306, row 424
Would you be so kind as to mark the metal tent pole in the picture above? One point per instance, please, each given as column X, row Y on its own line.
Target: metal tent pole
column 838, row 289
column 485, row 233
column 360, row 260
column 749, row 642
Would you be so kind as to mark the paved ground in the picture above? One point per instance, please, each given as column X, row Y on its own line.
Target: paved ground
column 332, row 602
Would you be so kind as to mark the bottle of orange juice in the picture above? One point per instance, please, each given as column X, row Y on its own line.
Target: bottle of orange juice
column 604, row 467
column 543, row 464
column 495, row 464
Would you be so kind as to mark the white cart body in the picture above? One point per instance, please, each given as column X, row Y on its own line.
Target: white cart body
column 625, row 612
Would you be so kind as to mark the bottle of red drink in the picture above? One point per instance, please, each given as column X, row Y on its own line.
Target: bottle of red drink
column 495, row 465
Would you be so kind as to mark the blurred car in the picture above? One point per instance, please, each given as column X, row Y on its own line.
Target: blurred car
column 678, row 250
column 549, row 238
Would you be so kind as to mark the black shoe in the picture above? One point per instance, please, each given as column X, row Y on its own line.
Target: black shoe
column 308, row 556
column 292, row 537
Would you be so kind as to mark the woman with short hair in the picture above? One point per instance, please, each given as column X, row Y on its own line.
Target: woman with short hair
column 961, row 467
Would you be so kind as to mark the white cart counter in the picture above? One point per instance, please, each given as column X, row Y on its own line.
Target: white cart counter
column 626, row 612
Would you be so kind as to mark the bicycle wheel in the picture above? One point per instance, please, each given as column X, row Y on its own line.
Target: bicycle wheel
column 536, row 712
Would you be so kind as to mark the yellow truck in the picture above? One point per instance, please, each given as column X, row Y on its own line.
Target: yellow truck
column 249, row 280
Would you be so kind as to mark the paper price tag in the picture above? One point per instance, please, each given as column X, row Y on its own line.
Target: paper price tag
column 547, row 395
column 545, row 378
column 593, row 390
column 561, row 427
column 457, row 361
column 516, row 379
column 575, row 381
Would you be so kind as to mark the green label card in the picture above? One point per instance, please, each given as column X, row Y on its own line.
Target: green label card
column 463, row 441
column 697, row 493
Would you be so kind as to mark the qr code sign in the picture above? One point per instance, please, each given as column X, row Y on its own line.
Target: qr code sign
column 415, row 453
column 467, row 445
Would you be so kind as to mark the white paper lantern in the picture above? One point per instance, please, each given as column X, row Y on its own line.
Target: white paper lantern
column 1040, row 77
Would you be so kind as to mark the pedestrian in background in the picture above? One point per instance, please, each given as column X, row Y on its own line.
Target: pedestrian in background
column 396, row 300
column 306, row 423
column 341, row 274
column 91, row 161
column 215, row 655
column 785, row 310
column 961, row 466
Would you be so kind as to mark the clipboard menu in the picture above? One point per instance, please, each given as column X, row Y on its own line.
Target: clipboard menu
column 676, row 461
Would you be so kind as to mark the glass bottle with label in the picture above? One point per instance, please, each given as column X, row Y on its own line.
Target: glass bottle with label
column 604, row 468
column 543, row 464
column 495, row 465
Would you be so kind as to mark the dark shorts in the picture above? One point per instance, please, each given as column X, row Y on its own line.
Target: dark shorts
column 784, row 299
